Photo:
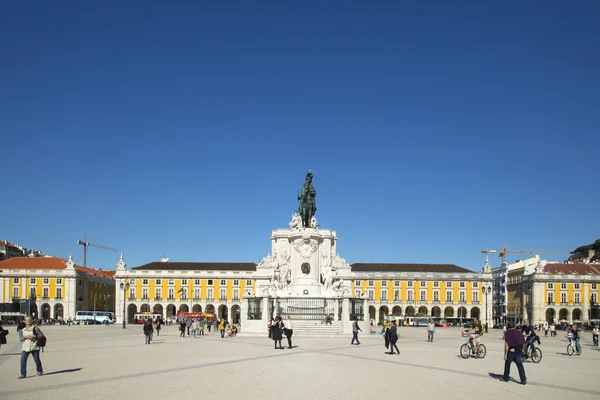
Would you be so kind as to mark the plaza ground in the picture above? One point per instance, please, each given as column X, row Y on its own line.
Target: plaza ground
column 98, row 362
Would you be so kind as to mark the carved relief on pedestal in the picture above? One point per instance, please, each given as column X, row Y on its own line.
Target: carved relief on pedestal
column 306, row 247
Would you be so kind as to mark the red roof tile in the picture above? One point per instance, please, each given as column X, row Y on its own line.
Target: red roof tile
column 49, row 263
column 570, row 269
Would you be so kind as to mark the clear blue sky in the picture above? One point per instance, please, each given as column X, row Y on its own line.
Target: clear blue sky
column 434, row 129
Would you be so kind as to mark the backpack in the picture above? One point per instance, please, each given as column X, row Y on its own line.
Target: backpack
column 40, row 338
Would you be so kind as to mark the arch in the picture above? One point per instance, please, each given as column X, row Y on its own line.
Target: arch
column 145, row 308
column 210, row 309
column 197, row 308
column 171, row 311
column 223, row 312
column 59, row 311
column 423, row 311
column 462, row 312
column 475, row 312
column 184, row 308
column 563, row 315
column 158, row 309
column 436, row 312
column 410, row 311
column 577, row 315
column 131, row 311
column 383, row 312
column 397, row 311
column 45, row 311
column 448, row 312
column 236, row 313
column 372, row 313
column 550, row 315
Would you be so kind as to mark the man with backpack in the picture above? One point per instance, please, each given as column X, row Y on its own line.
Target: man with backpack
column 33, row 339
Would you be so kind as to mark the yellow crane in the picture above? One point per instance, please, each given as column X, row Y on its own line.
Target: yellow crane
column 504, row 251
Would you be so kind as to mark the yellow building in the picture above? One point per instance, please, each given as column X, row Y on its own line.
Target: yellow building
column 168, row 288
column 52, row 287
column 554, row 293
column 438, row 290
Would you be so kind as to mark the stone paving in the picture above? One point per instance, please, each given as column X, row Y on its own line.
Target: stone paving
column 98, row 362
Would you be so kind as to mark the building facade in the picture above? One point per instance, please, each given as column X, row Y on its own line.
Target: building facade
column 436, row 290
column 167, row 288
column 52, row 287
column 554, row 293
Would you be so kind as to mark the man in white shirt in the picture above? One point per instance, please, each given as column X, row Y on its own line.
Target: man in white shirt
column 430, row 331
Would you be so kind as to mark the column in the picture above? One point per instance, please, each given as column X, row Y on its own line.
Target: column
column 584, row 301
column 346, row 323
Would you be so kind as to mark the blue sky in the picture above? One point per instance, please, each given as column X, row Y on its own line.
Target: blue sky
column 434, row 129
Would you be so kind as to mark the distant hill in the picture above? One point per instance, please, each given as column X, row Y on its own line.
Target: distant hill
column 591, row 251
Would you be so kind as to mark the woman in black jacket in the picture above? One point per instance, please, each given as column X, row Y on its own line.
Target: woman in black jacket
column 277, row 332
column 394, row 338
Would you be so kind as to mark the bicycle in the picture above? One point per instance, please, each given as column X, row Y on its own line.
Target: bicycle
column 535, row 356
column 469, row 349
column 571, row 348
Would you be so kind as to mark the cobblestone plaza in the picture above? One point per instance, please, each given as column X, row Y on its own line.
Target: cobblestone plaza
column 100, row 362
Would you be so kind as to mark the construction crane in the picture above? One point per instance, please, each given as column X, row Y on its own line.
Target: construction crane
column 502, row 252
column 85, row 245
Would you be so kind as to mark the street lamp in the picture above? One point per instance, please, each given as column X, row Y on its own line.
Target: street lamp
column 124, row 288
column 488, row 290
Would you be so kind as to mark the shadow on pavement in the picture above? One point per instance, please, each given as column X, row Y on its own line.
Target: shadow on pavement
column 10, row 354
column 63, row 371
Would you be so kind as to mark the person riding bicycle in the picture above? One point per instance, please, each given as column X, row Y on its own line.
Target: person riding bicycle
column 530, row 337
column 475, row 332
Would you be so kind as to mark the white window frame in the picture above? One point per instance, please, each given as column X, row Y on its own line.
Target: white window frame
column 462, row 285
column 171, row 282
column 371, row 283
column 236, row 282
column 371, row 294
column 462, row 296
column 59, row 281
column 196, row 282
column 184, row 282
column 410, row 284
column 396, row 283
column 436, row 284
column 563, row 298
column 158, row 282
column 577, row 286
column 223, row 282
column 551, row 286
column 58, row 293
column 475, row 295
column 449, row 296
column 384, row 295
column 436, row 296
column 32, row 281
column 563, row 286
column 249, row 282
column 171, row 293
column 236, row 294
column 144, row 293
column 144, row 281
column 223, row 294
column 448, row 284
column 210, row 294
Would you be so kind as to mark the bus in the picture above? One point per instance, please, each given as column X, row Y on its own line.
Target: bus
column 97, row 317
column 143, row 317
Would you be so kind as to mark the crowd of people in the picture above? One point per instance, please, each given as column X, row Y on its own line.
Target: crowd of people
column 190, row 326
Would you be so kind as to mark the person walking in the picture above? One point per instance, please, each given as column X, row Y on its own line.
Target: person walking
column 158, row 323
column 3, row 333
column 289, row 331
column 394, row 338
column 201, row 327
column 546, row 330
column 29, row 339
column 430, row 331
column 276, row 335
column 188, row 325
column 355, row 330
column 148, row 331
column 222, row 328
column 182, row 328
column 552, row 330
column 513, row 350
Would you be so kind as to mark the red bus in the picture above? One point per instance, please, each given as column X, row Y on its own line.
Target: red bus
column 196, row 315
